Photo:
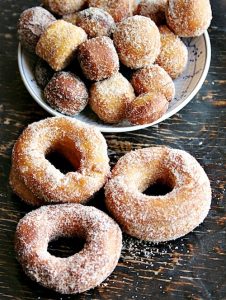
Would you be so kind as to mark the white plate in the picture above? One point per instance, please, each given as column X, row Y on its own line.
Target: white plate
column 187, row 86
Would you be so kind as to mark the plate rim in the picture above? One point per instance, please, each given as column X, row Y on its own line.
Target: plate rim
column 113, row 129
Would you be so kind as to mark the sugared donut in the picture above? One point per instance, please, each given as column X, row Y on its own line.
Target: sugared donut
column 173, row 57
column 63, row 7
column 118, row 9
column 37, row 181
column 31, row 25
column 154, row 9
column 43, row 73
column 109, row 98
column 59, row 42
column 83, row 270
column 66, row 93
column 98, row 58
column 158, row 218
column 153, row 79
column 147, row 108
column 95, row 21
column 137, row 40
column 188, row 18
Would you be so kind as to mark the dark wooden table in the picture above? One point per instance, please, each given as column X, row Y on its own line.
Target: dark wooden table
column 193, row 267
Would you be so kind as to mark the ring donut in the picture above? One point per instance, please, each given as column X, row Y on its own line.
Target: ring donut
column 37, row 181
column 81, row 271
column 158, row 218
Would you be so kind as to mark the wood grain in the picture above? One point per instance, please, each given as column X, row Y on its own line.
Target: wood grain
column 193, row 267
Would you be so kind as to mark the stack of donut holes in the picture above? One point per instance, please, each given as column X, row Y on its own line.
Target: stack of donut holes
column 118, row 57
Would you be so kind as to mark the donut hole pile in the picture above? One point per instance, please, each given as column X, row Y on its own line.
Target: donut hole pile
column 104, row 36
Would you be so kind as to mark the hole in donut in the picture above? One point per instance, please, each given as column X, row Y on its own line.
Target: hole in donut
column 159, row 188
column 65, row 247
column 60, row 162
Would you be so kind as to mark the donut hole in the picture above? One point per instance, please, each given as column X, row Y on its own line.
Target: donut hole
column 64, row 157
column 65, row 246
column 159, row 188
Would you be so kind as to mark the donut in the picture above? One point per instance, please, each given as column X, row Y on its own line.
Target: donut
column 63, row 7
column 36, row 181
column 173, row 57
column 109, row 98
column 158, row 218
column 43, row 73
column 31, row 25
column 153, row 79
column 95, row 21
column 137, row 40
column 118, row 9
column 98, row 58
column 83, row 270
column 59, row 42
column 66, row 93
column 147, row 108
column 154, row 9
column 188, row 18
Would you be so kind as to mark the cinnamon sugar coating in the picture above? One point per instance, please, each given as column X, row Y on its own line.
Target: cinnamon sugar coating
column 158, row 218
column 154, row 9
column 31, row 25
column 59, row 42
column 43, row 73
column 188, row 18
column 37, row 181
column 98, row 58
column 63, row 7
column 118, row 9
column 66, row 93
column 153, row 79
column 95, row 21
column 83, row 270
column 137, row 40
column 109, row 98
column 147, row 108
column 173, row 57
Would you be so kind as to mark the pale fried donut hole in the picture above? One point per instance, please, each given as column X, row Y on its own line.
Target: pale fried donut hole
column 188, row 18
column 154, row 9
column 95, row 21
column 147, row 108
column 85, row 148
column 66, row 93
column 153, row 79
column 109, row 98
column 158, row 218
column 118, row 9
column 83, row 270
column 173, row 57
column 98, row 58
column 58, row 44
column 32, row 24
column 137, row 40
column 63, row 7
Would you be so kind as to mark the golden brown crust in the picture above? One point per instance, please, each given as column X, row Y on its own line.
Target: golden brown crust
column 83, row 146
column 188, row 18
column 154, row 9
column 109, row 98
column 137, row 40
column 59, row 42
column 95, row 21
column 63, row 7
column 98, row 58
column 158, row 218
column 173, row 57
column 147, row 108
column 83, row 270
column 118, row 9
column 66, row 93
column 153, row 79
